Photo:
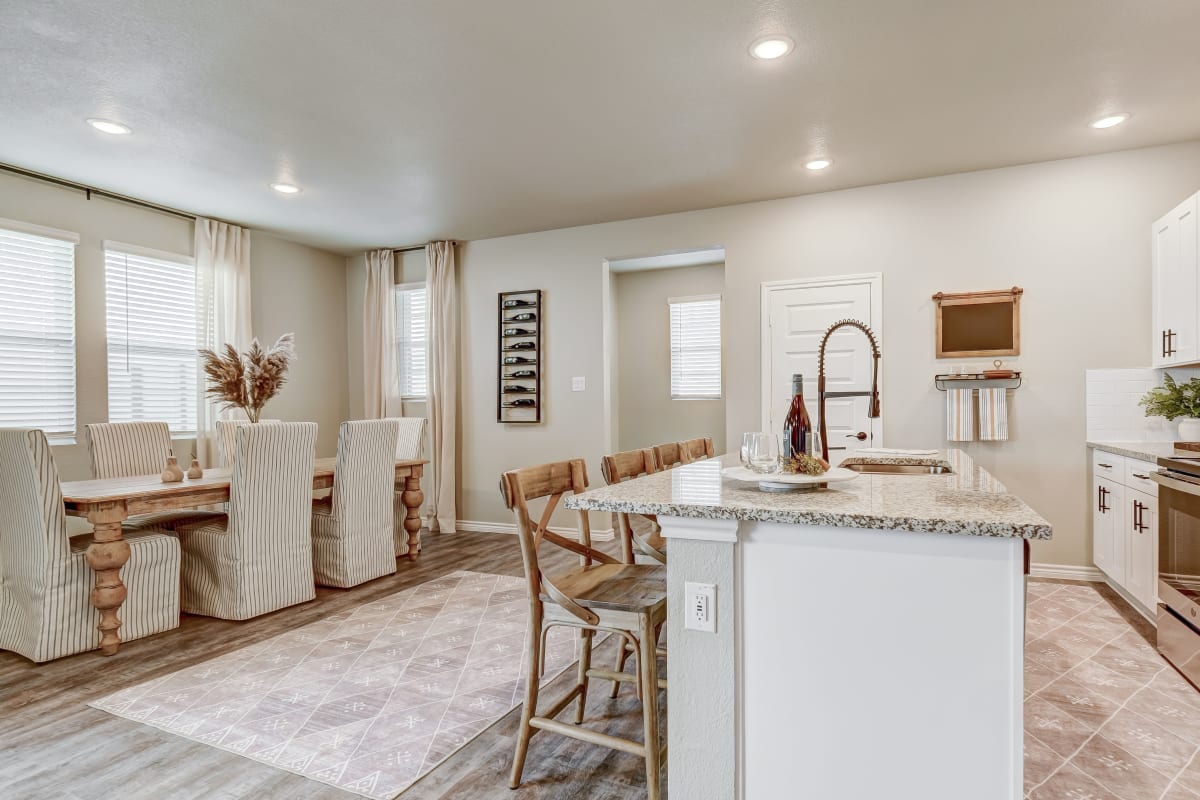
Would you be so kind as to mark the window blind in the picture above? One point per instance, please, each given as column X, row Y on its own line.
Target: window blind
column 696, row 347
column 412, row 322
column 37, row 332
column 151, row 324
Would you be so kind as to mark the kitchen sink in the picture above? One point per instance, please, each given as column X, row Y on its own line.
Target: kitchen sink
column 900, row 469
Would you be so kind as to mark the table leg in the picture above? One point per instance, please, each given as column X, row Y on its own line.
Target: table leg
column 412, row 497
column 107, row 553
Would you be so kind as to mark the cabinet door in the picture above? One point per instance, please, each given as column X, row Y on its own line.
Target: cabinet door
column 1141, row 542
column 1108, row 549
column 1174, row 286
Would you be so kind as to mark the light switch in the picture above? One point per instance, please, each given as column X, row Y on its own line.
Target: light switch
column 578, row 384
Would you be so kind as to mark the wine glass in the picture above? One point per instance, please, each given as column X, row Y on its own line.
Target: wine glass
column 747, row 440
column 764, row 453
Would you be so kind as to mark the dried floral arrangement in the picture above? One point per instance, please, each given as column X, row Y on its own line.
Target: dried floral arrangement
column 248, row 380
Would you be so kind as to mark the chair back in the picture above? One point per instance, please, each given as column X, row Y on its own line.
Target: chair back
column 270, row 492
column 365, row 475
column 226, row 432
column 696, row 450
column 668, row 455
column 550, row 481
column 122, row 449
column 410, row 442
column 628, row 464
column 33, row 527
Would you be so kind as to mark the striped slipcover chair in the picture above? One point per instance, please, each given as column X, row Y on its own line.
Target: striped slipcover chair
column 410, row 445
column 353, row 533
column 258, row 557
column 45, row 581
column 122, row 449
column 225, row 433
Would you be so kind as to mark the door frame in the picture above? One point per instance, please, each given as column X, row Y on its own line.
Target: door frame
column 874, row 279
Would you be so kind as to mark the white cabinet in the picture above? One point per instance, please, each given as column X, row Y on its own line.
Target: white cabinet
column 1125, row 527
column 1174, row 278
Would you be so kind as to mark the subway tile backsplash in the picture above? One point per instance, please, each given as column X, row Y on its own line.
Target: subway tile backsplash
column 1113, row 413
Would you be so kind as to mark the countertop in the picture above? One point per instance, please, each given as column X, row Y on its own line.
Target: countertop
column 1146, row 451
column 969, row 501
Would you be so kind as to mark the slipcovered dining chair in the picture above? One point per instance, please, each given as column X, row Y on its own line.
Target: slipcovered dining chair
column 353, row 533
column 258, row 557
column 45, row 580
column 124, row 449
column 601, row 594
column 410, row 446
column 226, row 429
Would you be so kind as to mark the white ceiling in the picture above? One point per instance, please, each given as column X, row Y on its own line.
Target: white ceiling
column 468, row 119
column 681, row 258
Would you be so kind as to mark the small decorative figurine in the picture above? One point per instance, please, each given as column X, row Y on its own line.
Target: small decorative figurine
column 173, row 472
column 194, row 470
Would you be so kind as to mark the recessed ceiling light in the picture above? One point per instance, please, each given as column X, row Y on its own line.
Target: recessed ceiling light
column 1110, row 121
column 769, row 47
column 108, row 126
column 818, row 163
column 285, row 188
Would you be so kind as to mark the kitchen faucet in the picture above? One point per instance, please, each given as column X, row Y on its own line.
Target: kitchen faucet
column 873, row 410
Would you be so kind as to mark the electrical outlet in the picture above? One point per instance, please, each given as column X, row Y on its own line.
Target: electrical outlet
column 578, row 384
column 700, row 607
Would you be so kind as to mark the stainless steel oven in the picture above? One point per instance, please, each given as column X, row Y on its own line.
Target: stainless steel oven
column 1179, row 563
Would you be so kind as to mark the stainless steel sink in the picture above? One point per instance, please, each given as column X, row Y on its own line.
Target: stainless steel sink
column 900, row 469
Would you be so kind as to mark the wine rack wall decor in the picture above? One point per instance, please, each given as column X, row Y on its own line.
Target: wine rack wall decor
column 519, row 366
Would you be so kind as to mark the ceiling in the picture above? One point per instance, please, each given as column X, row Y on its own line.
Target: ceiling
column 404, row 122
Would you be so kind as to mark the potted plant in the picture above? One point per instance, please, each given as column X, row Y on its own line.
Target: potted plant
column 1175, row 400
column 248, row 380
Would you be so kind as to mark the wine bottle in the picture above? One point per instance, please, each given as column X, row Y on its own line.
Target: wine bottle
column 517, row 332
column 523, row 402
column 518, row 303
column 522, row 373
column 797, row 426
column 526, row 317
column 521, row 346
column 516, row 390
column 517, row 360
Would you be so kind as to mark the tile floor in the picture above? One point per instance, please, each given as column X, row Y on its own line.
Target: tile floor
column 1106, row 718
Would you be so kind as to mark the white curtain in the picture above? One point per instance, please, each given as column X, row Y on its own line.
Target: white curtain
column 222, row 312
column 380, row 388
column 443, row 382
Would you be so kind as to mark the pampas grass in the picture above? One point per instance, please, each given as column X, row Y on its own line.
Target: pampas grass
column 248, row 380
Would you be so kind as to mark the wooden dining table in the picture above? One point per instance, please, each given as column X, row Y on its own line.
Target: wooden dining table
column 108, row 502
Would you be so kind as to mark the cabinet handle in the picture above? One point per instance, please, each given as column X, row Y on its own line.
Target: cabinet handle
column 1103, row 493
column 1171, row 342
column 1163, row 347
column 1106, row 466
column 1139, row 523
column 1143, row 477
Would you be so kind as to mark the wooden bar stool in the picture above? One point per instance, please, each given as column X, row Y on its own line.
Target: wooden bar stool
column 601, row 594
column 696, row 449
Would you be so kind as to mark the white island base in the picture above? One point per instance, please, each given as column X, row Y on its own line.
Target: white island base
column 867, row 664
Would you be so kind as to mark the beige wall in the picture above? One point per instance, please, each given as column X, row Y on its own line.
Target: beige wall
column 295, row 288
column 1073, row 233
column 645, row 413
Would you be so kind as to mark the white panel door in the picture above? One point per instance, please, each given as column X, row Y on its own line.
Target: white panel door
column 1141, row 562
column 798, row 318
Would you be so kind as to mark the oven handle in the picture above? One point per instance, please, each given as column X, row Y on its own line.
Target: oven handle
column 1171, row 482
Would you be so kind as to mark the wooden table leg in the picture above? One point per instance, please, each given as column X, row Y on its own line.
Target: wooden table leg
column 412, row 497
column 107, row 553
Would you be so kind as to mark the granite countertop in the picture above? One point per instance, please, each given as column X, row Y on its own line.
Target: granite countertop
column 1146, row 451
column 969, row 501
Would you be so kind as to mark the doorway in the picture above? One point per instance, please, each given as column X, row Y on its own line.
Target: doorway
column 795, row 316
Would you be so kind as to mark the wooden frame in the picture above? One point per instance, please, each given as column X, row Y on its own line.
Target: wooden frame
column 1011, row 337
column 520, row 387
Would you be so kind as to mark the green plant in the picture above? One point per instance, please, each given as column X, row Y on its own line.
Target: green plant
column 1172, row 399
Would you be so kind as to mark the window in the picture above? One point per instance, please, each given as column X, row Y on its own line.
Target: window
column 695, row 347
column 37, row 329
column 151, row 324
column 412, row 322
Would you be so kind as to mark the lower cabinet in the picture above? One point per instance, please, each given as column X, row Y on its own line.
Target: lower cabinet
column 1125, row 528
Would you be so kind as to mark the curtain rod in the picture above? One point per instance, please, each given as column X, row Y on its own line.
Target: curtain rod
column 412, row 249
column 91, row 191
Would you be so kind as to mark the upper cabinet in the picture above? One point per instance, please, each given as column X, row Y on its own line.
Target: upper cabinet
column 1176, row 303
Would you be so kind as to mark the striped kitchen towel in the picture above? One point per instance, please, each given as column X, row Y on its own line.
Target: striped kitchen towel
column 960, row 415
column 993, row 415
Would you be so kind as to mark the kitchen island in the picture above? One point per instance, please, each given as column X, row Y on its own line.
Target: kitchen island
column 869, row 637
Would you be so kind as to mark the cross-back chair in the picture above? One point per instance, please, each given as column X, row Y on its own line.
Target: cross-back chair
column 601, row 594
column 696, row 449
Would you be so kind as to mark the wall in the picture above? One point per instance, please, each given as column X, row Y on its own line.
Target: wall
column 646, row 415
column 295, row 288
column 1073, row 233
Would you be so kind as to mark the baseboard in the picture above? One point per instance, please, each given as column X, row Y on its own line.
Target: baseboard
column 475, row 526
column 1065, row 573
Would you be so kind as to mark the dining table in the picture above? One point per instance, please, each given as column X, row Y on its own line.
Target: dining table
column 108, row 502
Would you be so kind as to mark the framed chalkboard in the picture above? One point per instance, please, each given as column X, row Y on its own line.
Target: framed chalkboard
column 979, row 324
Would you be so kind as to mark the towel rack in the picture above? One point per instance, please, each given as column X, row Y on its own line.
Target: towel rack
column 976, row 380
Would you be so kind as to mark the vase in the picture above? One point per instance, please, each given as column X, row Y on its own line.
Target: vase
column 1189, row 430
column 173, row 473
column 194, row 470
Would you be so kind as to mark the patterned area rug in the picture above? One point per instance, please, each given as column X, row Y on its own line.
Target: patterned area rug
column 367, row 701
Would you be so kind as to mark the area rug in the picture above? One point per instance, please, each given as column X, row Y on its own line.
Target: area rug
column 369, row 700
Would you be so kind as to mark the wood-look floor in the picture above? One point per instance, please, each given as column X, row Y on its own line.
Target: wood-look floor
column 52, row 745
